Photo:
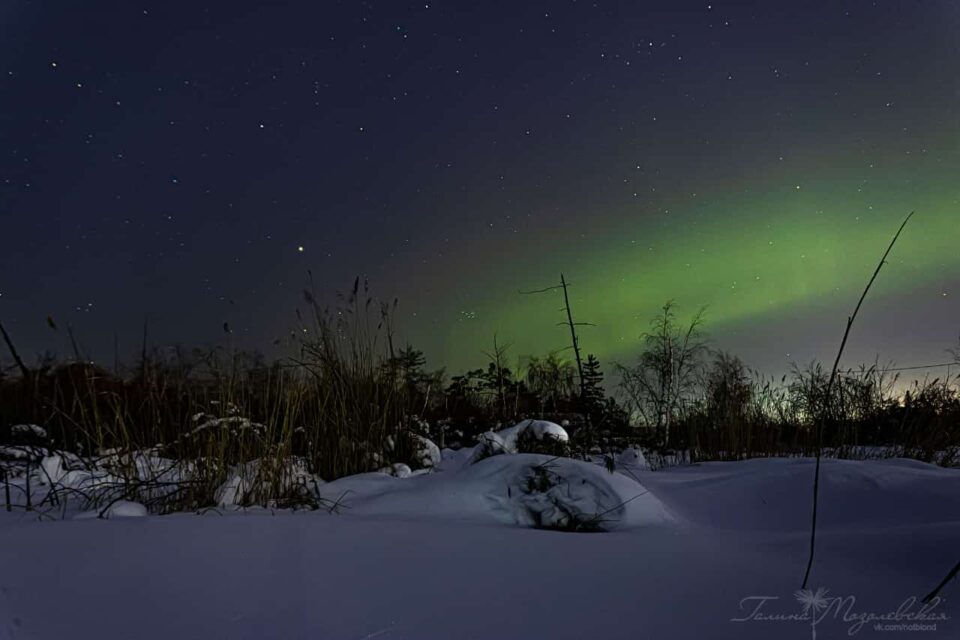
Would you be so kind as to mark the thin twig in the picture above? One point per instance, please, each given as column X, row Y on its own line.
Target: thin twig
column 827, row 398
column 595, row 520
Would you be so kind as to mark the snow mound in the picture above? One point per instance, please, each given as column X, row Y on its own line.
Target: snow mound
column 118, row 509
column 506, row 440
column 125, row 509
column 774, row 494
column 427, row 454
column 454, row 459
column 561, row 494
column 28, row 430
column 489, row 444
column 397, row 470
column 539, row 429
column 528, row 490
column 632, row 459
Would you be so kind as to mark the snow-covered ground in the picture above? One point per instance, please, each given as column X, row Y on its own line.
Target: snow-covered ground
column 705, row 551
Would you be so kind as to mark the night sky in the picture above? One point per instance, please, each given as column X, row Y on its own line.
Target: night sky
column 189, row 162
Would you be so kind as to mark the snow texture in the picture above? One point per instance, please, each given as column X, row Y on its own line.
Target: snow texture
column 462, row 553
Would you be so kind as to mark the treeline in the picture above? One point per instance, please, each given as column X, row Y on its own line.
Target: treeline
column 349, row 400
column 709, row 405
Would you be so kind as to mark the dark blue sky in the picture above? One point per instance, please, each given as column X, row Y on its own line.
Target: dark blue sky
column 168, row 160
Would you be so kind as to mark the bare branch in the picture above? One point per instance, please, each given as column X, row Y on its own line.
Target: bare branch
column 526, row 293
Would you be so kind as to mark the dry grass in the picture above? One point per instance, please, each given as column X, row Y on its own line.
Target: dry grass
column 179, row 426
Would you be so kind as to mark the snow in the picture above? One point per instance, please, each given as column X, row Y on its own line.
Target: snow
column 397, row 470
column 249, row 481
column 428, row 453
column 16, row 453
column 632, row 459
column 461, row 552
column 28, row 430
column 125, row 509
column 118, row 509
column 539, row 429
column 506, row 440
column 497, row 490
column 775, row 494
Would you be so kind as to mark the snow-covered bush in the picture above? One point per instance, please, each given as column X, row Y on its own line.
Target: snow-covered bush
column 561, row 494
column 426, row 453
column 530, row 441
column 488, row 444
column 230, row 433
column 632, row 458
column 397, row 470
column 273, row 481
column 410, row 449
column 29, row 433
column 528, row 436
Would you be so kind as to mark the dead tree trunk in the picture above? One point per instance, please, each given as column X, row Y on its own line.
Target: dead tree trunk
column 573, row 332
column 574, row 339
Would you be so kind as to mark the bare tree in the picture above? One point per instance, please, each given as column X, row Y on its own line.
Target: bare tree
column 551, row 379
column 661, row 384
column 498, row 358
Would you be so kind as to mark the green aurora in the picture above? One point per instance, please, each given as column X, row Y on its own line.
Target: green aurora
column 796, row 247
